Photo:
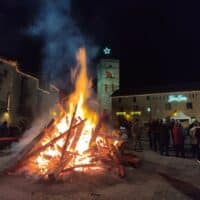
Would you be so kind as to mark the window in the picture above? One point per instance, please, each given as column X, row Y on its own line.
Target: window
column 106, row 88
column 168, row 106
column 134, row 99
column 147, row 98
column 135, row 107
column 121, row 109
column 189, row 105
column 193, row 95
column 109, row 74
column 164, row 97
column 119, row 100
column 113, row 87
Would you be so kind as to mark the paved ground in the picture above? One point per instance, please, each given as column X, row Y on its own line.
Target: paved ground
column 158, row 177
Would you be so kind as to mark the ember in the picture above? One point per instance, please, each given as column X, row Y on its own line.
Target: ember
column 74, row 140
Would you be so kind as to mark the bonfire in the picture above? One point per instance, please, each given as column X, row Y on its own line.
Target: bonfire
column 75, row 140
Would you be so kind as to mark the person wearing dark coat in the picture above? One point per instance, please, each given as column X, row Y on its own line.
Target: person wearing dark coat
column 156, row 135
column 165, row 138
column 4, row 129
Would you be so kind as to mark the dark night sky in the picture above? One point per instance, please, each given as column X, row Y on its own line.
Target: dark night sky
column 156, row 41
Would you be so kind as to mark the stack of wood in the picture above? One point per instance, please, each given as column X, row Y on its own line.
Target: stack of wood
column 102, row 152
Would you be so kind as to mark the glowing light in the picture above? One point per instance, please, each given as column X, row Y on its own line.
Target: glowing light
column 128, row 117
column 136, row 113
column 175, row 113
column 148, row 109
column 128, row 114
column 178, row 98
column 107, row 51
column 120, row 113
column 5, row 117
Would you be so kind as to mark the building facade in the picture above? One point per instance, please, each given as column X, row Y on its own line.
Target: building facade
column 21, row 98
column 153, row 104
column 107, row 81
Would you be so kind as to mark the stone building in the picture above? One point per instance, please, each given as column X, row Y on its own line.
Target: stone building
column 21, row 98
column 157, row 102
column 107, row 81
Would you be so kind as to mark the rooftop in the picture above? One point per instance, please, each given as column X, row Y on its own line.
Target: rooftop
column 158, row 89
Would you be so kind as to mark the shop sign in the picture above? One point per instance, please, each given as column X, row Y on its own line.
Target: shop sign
column 177, row 98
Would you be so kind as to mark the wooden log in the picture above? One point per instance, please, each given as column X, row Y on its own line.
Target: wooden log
column 79, row 166
column 62, row 162
column 27, row 149
column 130, row 159
column 76, row 137
column 69, row 134
column 37, row 151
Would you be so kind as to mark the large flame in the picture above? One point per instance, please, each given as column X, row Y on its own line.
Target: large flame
column 69, row 149
column 76, row 100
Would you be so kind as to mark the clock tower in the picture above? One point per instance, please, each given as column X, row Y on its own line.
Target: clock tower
column 107, row 81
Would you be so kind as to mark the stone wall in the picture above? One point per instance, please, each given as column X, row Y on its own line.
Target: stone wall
column 107, row 81
column 21, row 98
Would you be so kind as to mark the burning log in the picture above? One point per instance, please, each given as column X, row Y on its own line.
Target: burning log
column 26, row 154
column 78, row 166
column 131, row 159
column 26, row 150
column 69, row 134
column 62, row 162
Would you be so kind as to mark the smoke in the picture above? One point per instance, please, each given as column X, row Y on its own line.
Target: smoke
column 28, row 136
column 61, row 37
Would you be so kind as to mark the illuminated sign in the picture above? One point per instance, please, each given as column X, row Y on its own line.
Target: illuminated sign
column 128, row 114
column 107, row 51
column 136, row 113
column 120, row 113
column 177, row 98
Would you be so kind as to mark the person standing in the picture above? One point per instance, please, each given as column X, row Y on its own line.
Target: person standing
column 4, row 129
column 165, row 138
column 156, row 135
column 178, row 139
column 137, row 135
column 194, row 141
column 197, row 134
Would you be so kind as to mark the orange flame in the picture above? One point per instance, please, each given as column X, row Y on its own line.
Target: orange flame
column 50, row 157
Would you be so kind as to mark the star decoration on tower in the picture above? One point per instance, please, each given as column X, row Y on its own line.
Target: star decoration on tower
column 107, row 51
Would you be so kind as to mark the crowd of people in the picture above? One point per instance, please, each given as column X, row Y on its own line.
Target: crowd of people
column 166, row 135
